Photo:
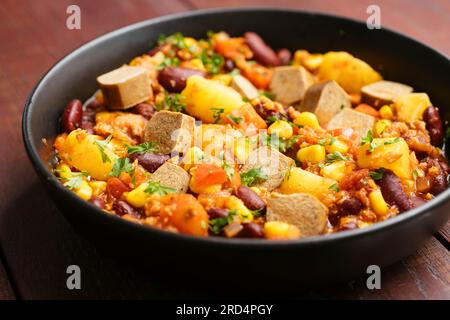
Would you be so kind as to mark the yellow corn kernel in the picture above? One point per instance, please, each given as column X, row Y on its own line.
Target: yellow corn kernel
column 335, row 170
column 242, row 149
column 84, row 191
column 386, row 112
column 193, row 156
column 281, row 128
column 381, row 125
column 98, row 187
column 278, row 230
column 188, row 41
column 197, row 64
column 312, row 154
column 337, row 145
column 307, row 119
column 223, row 78
column 234, row 203
column 377, row 202
column 64, row 171
column 137, row 196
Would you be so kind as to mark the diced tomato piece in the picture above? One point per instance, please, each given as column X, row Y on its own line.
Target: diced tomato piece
column 365, row 108
column 116, row 187
column 207, row 175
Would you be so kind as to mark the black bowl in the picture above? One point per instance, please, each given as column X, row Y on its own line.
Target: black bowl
column 288, row 264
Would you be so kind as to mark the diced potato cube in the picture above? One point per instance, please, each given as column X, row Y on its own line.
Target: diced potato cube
column 84, row 191
column 281, row 128
column 337, row 146
column 277, row 230
column 307, row 119
column 336, row 170
column 410, row 107
column 388, row 153
column 298, row 180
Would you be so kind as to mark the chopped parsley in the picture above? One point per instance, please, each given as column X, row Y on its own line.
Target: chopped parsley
column 217, row 113
column 271, row 119
column 142, row 148
column 177, row 40
column 253, row 176
column 121, row 165
column 327, row 141
column 173, row 102
column 334, row 187
column 212, row 62
column 74, row 180
column 267, row 94
column 155, row 187
column 234, row 119
column 372, row 144
column 377, row 174
column 168, row 62
column 335, row 156
column 101, row 145
column 234, row 72
column 216, row 225
column 229, row 170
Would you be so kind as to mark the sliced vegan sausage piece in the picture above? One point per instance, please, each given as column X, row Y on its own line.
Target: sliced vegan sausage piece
column 245, row 88
column 289, row 83
column 303, row 210
column 172, row 176
column 261, row 51
column 325, row 99
column 273, row 163
column 383, row 92
column 171, row 131
column 125, row 87
column 349, row 118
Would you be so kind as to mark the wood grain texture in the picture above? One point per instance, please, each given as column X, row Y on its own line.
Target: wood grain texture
column 36, row 240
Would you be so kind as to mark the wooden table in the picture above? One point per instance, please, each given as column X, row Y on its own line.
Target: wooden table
column 38, row 244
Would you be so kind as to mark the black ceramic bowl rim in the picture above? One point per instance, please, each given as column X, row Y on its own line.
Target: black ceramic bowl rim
column 43, row 170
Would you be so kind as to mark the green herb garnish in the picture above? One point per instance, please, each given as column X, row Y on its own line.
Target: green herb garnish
column 335, row 156
column 229, row 170
column 142, row 148
column 173, row 102
column 377, row 174
column 234, row 119
column 327, row 141
column 253, row 176
column 212, row 61
column 74, row 180
column 101, row 145
column 217, row 113
column 334, row 187
column 216, row 225
column 121, row 165
column 267, row 94
column 155, row 187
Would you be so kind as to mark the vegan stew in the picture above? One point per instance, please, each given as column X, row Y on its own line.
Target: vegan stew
column 225, row 136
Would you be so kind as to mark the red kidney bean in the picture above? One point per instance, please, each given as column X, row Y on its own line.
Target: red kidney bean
column 155, row 50
column 284, row 56
column 434, row 126
column 350, row 206
column 261, row 51
column 146, row 110
column 229, row 65
column 266, row 113
column 251, row 230
column 173, row 79
column 444, row 166
column 215, row 213
column 115, row 188
column 250, row 198
column 98, row 202
column 88, row 120
column 392, row 191
column 416, row 201
column 71, row 118
column 150, row 161
column 123, row 208
column 439, row 184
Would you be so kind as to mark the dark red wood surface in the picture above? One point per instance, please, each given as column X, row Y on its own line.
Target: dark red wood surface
column 38, row 244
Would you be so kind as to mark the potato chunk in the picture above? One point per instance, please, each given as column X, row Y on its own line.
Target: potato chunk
column 349, row 118
column 273, row 163
column 351, row 73
column 389, row 153
column 302, row 210
column 379, row 93
column 325, row 100
column 244, row 87
column 410, row 107
column 172, row 176
column 88, row 152
column 207, row 99
column 125, row 87
column 290, row 83
column 298, row 180
column 173, row 132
